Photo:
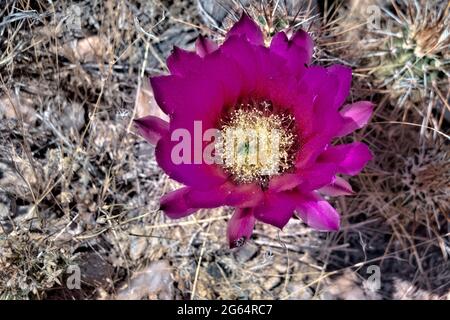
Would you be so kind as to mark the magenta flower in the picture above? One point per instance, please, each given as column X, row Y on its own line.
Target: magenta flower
column 244, row 85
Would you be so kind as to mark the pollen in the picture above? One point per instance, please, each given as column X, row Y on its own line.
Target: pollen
column 257, row 143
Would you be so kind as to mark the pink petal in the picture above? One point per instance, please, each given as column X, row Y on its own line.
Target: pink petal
column 355, row 116
column 243, row 53
column 314, row 79
column 240, row 227
column 152, row 128
column 344, row 76
column 162, row 89
column 323, row 122
column 276, row 81
column 311, row 149
column 182, row 62
column 284, row 182
column 224, row 72
column 297, row 57
column 302, row 110
column 201, row 176
column 303, row 40
column 248, row 28
column 277, row 208
column 307, row 179
column 318, row 213
column 212, row 198
column 184, row 201
column 204, row 46
column 349, row 158
column 339, row 187
column 198, row 102
column 326, row 120
column 174, row 204
column 317, row 176
column 246, row 195
column 185, row 99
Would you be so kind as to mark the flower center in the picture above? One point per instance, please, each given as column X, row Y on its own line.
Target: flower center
column 257, row 142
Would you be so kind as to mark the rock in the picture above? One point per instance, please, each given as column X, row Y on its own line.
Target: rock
column 246, row 252
column 137, row 247
column 154, row 282
column 298, row 291
column 88, row 49
column 214, row 271
column 4, row 209
column 271, row 283
column 348, row 287
column 94, row 269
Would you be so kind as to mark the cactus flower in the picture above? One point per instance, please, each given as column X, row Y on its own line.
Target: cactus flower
column 275, row 93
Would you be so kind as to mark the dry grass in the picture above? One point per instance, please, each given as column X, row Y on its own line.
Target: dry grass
column 79, row 187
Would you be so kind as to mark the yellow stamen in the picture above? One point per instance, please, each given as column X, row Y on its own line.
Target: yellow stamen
column 257, row 143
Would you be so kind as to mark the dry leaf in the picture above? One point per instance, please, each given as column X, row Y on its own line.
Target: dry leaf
column 145, row 102
column 89, row 49
column 10, row 104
